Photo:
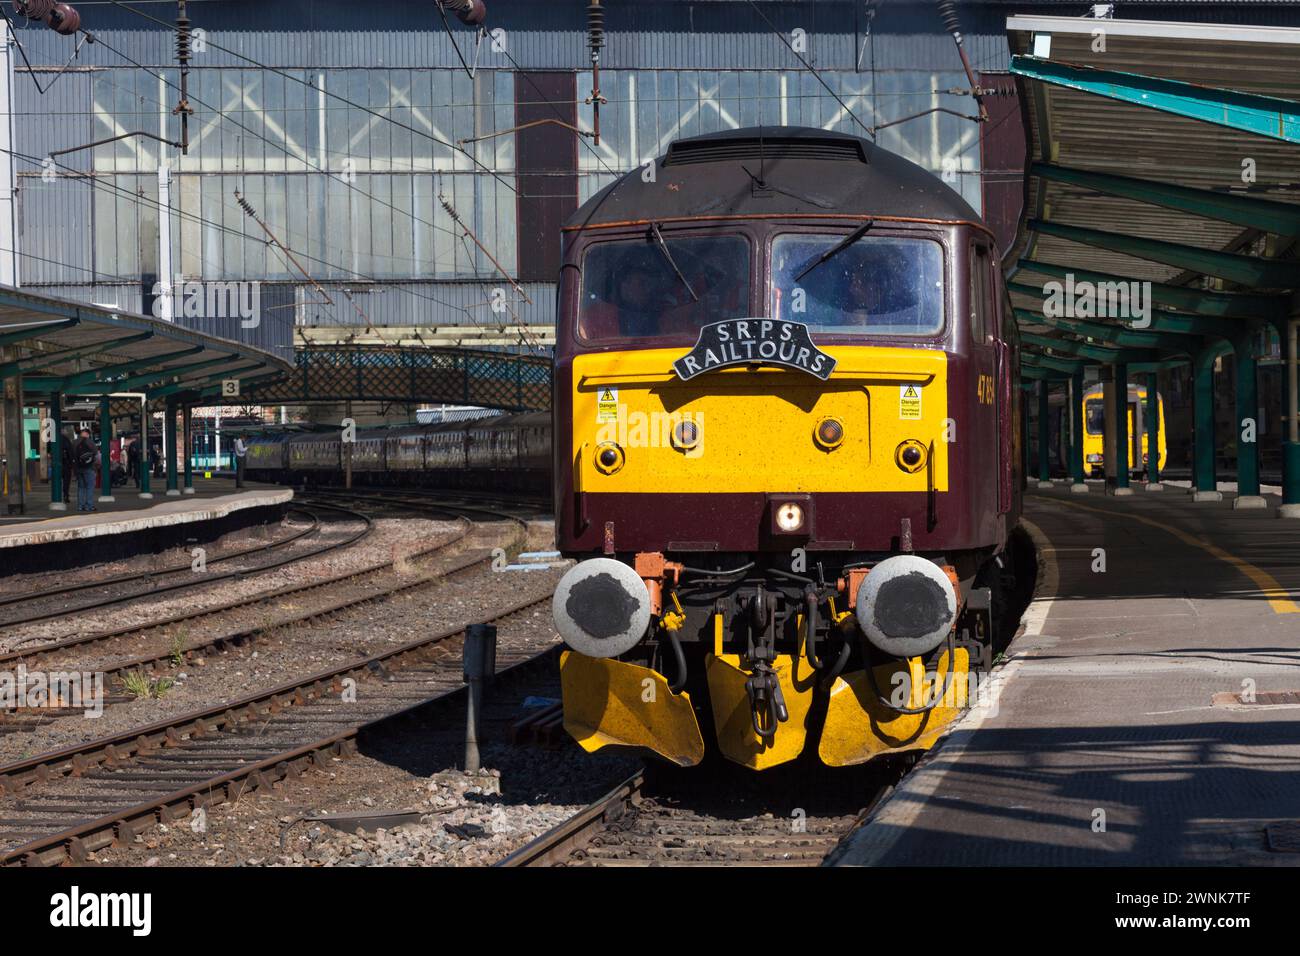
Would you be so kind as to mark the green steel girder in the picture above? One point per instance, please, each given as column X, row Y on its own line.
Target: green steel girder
column 1044, row 374
column 1060, row 363
column 1244, row 305
column 1267, row 215
column 214, row 391
column 199, row 383
column 137, row 381
column 96, row 376
column 1247, row 270
column 1143, row 367
column 1119, row 334
column 1095, row 353
column 40, row 328
column 46, row 359
column 1267, row 116
column 1170, row 322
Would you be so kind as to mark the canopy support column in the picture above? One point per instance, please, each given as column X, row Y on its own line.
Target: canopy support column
column 1077, row 485
column 1205, row 484
column 56, row 454
column 1153, row 433
column 105, row 450
column 1044, row 435
column 15, row 446
column 146, row 450
column 187, row 446
column 1291, row 447
column 169, row 445
column 1248, row 495
column 1119, row 377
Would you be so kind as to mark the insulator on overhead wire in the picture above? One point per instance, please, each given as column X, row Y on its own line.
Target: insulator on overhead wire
column 469, row 12
column 64, row 19
column 34, row 9
column 183, row 40
column 596, row 25
column 951, row 23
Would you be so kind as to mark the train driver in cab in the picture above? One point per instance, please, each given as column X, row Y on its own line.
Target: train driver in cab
column 637, row 303
column 880, row 293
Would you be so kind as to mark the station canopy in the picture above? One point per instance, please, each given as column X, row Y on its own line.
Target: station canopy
column 82, row 350
column 1160, row 152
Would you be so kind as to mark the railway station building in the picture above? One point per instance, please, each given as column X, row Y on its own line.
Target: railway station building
column 401, row 180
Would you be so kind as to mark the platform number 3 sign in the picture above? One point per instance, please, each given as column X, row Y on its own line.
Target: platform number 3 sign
column 230, row 388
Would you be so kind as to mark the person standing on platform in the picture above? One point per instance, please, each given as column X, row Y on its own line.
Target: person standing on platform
column 85, row 456
column 66, row 463
column 133, row 460
column 241, row 451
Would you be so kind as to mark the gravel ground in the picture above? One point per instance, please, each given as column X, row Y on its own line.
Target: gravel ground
column 467, row 820
column 300, row 650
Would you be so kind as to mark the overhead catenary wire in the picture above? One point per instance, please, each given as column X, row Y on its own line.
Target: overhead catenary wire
column 342, row 99
column 312, row 166
column 811, row 69
column 97, row 183
column 345, row 180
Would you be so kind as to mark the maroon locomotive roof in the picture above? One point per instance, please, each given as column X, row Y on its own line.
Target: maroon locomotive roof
column 805, row 171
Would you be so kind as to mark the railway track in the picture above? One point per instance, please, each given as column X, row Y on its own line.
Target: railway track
column 67, row 803
column 682, row 821
column 38, row 652
column 439, row 504
column 153, row 644
column 194, row 580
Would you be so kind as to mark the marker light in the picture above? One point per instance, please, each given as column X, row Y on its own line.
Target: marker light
column 789, row 517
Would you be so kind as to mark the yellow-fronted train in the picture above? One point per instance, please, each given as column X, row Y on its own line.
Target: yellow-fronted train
column 787, row 452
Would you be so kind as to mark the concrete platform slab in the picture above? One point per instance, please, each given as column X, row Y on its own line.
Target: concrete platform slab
column 80, row 526
column 135, row 525
column 1121, row 731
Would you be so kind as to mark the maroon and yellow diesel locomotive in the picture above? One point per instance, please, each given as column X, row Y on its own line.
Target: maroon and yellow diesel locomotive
column 786, row 437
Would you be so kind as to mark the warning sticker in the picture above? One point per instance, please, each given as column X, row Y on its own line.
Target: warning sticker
column 909, row 402
column 607, row 405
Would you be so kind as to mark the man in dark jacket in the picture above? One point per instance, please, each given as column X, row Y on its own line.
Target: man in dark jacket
column 66, row 441
column 85, row 457
column 133, row 460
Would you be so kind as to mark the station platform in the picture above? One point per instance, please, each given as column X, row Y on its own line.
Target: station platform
column 1147, row 714
column 130, row 525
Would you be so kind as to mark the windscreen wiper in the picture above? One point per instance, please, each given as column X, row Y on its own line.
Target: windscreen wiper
column 663, row 247
column 839, row 247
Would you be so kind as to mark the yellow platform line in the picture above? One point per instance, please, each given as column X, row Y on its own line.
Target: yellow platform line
column 1279, row 598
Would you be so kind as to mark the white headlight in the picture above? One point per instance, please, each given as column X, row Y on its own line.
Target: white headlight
column 789, row 516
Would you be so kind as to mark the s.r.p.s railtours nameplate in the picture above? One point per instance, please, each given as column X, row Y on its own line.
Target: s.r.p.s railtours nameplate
column 754, row 342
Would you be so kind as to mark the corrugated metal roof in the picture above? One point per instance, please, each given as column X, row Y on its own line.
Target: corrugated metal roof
column 65, row 338
column 1079, row 130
